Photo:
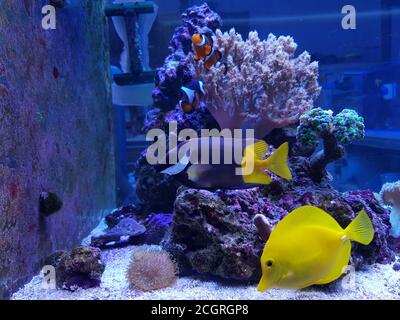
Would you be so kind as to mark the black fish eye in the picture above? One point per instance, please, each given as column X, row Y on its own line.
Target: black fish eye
column 269, row 263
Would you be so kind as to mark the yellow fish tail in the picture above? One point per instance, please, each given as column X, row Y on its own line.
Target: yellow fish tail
column 277, row 162
column 360, row 229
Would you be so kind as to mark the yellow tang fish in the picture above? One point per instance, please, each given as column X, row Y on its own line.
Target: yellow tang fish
column 309, row 247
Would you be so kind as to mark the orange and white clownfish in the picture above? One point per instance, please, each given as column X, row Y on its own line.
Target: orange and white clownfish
column 204, row 50
column 191, row 95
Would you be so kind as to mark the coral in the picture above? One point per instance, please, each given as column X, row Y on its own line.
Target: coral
column 223, row 233
column 264, row 86
column 177, row 68
column 49, row 203
column 349, row 126
column 390, row 194
column 81, row 268
column 311, row 127
column 214, row 232
column 344, row 128
column 151, row 269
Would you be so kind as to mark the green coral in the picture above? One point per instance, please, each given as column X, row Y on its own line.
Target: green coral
column 312, row 124
column 347, row 126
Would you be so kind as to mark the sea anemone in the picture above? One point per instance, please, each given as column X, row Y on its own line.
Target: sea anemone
column 151, row 269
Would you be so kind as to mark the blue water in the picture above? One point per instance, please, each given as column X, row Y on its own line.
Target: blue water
column 359, row 68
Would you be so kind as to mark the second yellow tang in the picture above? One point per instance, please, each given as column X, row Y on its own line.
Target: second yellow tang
column 309, row 247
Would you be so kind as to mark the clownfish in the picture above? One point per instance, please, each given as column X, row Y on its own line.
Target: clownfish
column 191, row 95
column 204, row 50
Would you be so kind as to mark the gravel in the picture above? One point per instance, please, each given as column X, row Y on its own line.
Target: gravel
column 375, row 282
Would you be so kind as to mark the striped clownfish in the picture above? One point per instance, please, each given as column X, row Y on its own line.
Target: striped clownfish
column 191, row 95
column 204, row 50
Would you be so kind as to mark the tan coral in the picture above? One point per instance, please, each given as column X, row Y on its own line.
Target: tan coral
column 264, row 87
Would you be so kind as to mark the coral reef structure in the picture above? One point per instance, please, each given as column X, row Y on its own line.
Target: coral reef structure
column 264, row 86
column 80, row 268
column 151, row 269
column 214, row 232
column 390, row 194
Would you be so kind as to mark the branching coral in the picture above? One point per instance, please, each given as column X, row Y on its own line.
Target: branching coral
column 344, row 128
column 263, row 85
column 151, row 269
column 390, row 194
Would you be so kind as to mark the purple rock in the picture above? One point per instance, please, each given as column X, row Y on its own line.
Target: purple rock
column 80, row 268
column 157, row 226
column 128, row 231
column 213, row 232
column 156, row 191
column 129, row 211
column 396, row 267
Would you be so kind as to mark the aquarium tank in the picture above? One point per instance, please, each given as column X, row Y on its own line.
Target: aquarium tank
column 191, row 150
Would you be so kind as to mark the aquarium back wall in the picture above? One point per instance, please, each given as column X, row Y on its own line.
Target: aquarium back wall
column 55, row 132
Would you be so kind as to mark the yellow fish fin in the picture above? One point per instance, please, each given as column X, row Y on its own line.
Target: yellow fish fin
column 341, row 264
column 252, row 153
column 255, row 151
column 360, row 229
column 258, row 177
column 306, row 216
column 277, row 162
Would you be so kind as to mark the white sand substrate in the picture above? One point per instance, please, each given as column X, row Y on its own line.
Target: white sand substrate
column 375, row 282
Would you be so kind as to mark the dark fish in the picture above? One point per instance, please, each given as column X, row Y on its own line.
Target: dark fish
column 221, row 170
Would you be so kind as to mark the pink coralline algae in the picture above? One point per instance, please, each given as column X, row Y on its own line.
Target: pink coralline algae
column 263, row 86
